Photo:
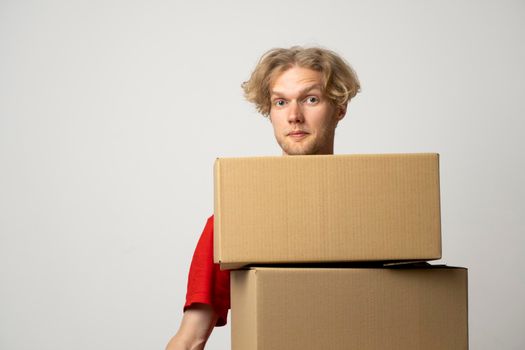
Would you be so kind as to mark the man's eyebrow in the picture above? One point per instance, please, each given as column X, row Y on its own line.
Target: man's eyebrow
column 302, row 92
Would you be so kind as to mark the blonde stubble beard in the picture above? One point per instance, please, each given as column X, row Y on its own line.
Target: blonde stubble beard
column 311, row 147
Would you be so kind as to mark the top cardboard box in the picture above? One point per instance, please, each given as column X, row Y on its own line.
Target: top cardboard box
column 333, row 208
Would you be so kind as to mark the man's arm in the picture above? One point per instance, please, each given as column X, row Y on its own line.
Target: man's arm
column 196, row 326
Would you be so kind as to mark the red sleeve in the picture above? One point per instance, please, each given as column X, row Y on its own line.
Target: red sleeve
column 207, row 284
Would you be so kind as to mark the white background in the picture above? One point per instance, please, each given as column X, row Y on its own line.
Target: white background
column 112, row 113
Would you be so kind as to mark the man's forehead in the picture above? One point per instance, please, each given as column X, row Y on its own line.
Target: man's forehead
column 282, row 90
column 297, row 79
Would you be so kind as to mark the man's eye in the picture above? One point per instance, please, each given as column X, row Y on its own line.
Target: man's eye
column 279, row 103
column 312, row 100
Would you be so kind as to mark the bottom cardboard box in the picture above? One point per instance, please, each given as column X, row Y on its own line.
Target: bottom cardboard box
column 349, row 308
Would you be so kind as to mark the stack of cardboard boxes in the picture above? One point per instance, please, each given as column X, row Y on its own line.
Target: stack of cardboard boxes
column 327, row 252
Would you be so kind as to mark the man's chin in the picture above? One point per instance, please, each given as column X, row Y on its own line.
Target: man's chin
column 297, row 150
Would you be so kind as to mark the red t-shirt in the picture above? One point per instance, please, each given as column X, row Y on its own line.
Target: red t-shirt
column 207, row 284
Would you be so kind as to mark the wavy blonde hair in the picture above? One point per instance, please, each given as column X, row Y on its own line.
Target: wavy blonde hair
column 340, row 80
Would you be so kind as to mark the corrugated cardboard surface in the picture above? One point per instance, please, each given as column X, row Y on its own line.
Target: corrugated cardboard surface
column 347, row 308
column 327, row 208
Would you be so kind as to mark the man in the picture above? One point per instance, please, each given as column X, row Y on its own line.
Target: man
column 305, row 93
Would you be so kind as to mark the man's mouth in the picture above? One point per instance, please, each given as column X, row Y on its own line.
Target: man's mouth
column 297, row 134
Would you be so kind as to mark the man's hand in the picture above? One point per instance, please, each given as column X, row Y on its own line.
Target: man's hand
column 196, row 326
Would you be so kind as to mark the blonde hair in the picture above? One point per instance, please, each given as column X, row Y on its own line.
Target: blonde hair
column 340, row 80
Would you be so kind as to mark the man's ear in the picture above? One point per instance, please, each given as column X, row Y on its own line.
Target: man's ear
column 341, row 112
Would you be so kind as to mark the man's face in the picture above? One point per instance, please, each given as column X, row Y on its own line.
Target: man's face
column 303, row 120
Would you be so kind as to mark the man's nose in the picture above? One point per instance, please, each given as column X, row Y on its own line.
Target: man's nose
column 295, row 114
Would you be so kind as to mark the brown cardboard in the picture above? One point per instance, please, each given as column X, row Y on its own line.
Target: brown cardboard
column 326, row 209
column 349, row 308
